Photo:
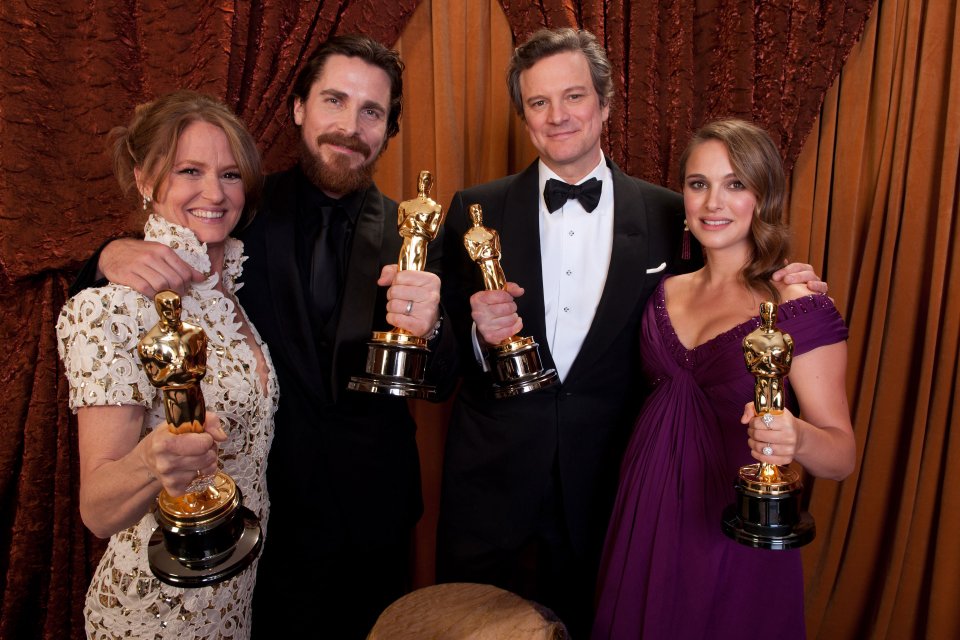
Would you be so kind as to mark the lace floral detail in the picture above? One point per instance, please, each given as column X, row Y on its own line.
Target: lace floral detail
column 98, row 331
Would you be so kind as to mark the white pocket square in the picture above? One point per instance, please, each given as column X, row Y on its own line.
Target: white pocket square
column 663, row 265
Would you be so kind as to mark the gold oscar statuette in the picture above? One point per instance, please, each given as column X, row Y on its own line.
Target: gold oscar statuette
column 767, row 512
column 516, row 366
column 397, row 359
column 205, row 536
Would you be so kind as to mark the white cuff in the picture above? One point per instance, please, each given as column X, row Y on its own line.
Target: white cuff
column 477, row 350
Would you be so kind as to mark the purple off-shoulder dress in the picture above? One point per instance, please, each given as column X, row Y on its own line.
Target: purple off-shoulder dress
column 668, row 571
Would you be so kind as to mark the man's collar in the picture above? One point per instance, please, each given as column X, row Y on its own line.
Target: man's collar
column 600, row 172
column 314, row 197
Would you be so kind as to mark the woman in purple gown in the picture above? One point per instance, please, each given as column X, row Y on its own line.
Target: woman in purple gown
column 668, row 571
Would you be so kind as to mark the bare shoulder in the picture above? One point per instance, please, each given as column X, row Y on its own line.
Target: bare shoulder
column 678, row 284
column 679, row 294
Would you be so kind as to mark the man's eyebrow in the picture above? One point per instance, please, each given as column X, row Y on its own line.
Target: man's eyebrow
column 342, row 95
column 373, row 104
column 333, row 93
column 579, row 88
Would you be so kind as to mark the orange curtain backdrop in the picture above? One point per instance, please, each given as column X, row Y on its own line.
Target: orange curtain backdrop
column 457, row 119
column 679, row 64
column 70, row 72
column 875, row 204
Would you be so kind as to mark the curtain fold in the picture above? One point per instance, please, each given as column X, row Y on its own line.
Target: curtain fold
column 73, row 71
column 679, row 64
column 51, row 553
column 456, row 57
column 874, row 201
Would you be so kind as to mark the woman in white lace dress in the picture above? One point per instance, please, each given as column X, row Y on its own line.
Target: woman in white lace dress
column 198, row 172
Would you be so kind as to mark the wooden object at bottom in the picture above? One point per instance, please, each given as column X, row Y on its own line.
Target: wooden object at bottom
column 463, row 611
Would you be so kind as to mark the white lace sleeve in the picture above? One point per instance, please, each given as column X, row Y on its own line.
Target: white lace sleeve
column 97, row 333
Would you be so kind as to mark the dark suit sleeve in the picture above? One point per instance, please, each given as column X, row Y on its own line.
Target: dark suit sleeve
column 461, row 280
column 442, row 363
column 87, row 277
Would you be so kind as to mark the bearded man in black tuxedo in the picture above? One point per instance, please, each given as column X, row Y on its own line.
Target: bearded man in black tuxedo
column 343, row 473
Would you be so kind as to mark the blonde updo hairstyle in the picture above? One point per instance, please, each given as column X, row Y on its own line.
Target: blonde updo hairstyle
column 149, row 143
column 756, row 162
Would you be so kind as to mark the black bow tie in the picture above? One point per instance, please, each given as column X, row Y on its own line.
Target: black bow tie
column 557, row 192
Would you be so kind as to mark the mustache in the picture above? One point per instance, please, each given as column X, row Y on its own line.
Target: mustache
column 350, row 142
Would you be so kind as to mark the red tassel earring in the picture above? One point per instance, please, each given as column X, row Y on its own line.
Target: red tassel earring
column 685, row 246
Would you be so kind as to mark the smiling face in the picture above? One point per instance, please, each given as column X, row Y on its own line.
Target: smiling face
column 563, row 114
column 343, row 123
column 203, row 191
column 719, row 207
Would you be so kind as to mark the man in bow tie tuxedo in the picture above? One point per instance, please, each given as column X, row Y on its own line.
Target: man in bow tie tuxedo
column 529, row 480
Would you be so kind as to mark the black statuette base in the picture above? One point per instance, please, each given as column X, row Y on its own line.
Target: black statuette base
column 190, row 558
column 766, row 521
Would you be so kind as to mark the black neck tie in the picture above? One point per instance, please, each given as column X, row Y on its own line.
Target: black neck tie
column 325, row 264
column 557, row 192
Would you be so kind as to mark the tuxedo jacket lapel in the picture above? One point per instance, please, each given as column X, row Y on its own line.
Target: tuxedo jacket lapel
column 360, row 292
column 627, row 267
column 520, row 244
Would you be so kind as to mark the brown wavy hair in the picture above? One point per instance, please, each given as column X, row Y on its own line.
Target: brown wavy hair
column 149, row 143
column 757, row 163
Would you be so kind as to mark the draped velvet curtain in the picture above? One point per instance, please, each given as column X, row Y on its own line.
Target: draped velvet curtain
column 681, row 63
column 873, row 208
column 875, row 204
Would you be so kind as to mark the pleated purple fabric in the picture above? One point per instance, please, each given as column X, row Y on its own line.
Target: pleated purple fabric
column 668, row 570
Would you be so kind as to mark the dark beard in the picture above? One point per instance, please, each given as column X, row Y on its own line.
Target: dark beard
column 337, row 178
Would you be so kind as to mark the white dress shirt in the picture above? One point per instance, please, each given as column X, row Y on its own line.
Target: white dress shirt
column 575, row 248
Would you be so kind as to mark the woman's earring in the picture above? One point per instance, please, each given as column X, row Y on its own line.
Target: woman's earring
column 685, row 245
column 146, row 200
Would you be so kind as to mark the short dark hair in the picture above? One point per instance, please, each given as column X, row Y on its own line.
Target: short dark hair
column 149, row 143
column 354, row 46
column 548, row 42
